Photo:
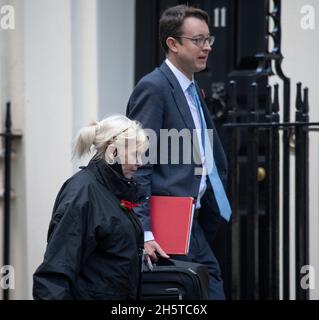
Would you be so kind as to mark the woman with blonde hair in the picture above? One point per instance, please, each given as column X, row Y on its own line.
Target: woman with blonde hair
column 95, row 241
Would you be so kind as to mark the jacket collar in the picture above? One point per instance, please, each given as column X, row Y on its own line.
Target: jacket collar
column 112, row 177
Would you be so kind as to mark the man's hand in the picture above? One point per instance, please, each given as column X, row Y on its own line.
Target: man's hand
column 151, row 248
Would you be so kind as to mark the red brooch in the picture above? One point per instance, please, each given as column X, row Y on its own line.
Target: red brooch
column 202, row 91
column 127, row 205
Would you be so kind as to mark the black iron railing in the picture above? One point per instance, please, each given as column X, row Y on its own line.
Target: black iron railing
column 255, row 229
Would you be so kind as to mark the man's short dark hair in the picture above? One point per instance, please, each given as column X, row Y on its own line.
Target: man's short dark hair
column 172, row 20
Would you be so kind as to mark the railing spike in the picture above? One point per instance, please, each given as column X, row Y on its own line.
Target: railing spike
column 299, row 97
column 254, row 96
column 232, row 96
column 275, row 106
column 269, row 100
column 8, row 116
column 305, row 104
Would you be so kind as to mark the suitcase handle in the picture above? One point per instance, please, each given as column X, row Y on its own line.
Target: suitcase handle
column 165, row 262
column 161, row 262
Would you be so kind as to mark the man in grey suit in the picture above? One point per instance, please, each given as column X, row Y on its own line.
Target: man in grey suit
column 163, row 100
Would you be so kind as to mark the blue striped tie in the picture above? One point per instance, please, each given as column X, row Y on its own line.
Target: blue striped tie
column 219, row 191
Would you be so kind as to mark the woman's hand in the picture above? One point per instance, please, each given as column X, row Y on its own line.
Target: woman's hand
column 151, row 248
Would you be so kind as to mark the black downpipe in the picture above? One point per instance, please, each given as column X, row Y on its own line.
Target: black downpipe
column 7, row 192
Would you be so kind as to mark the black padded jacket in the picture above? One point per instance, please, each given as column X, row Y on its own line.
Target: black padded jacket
column 95, row 246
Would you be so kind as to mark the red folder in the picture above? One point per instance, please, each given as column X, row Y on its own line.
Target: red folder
column 171, row 222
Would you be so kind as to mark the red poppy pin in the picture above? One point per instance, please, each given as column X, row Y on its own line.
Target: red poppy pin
column 127, row 205
column 202, row 91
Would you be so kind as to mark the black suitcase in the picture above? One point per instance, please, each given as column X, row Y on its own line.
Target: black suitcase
column 175, row 280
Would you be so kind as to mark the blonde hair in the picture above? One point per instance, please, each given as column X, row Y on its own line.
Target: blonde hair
column 114, row 130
